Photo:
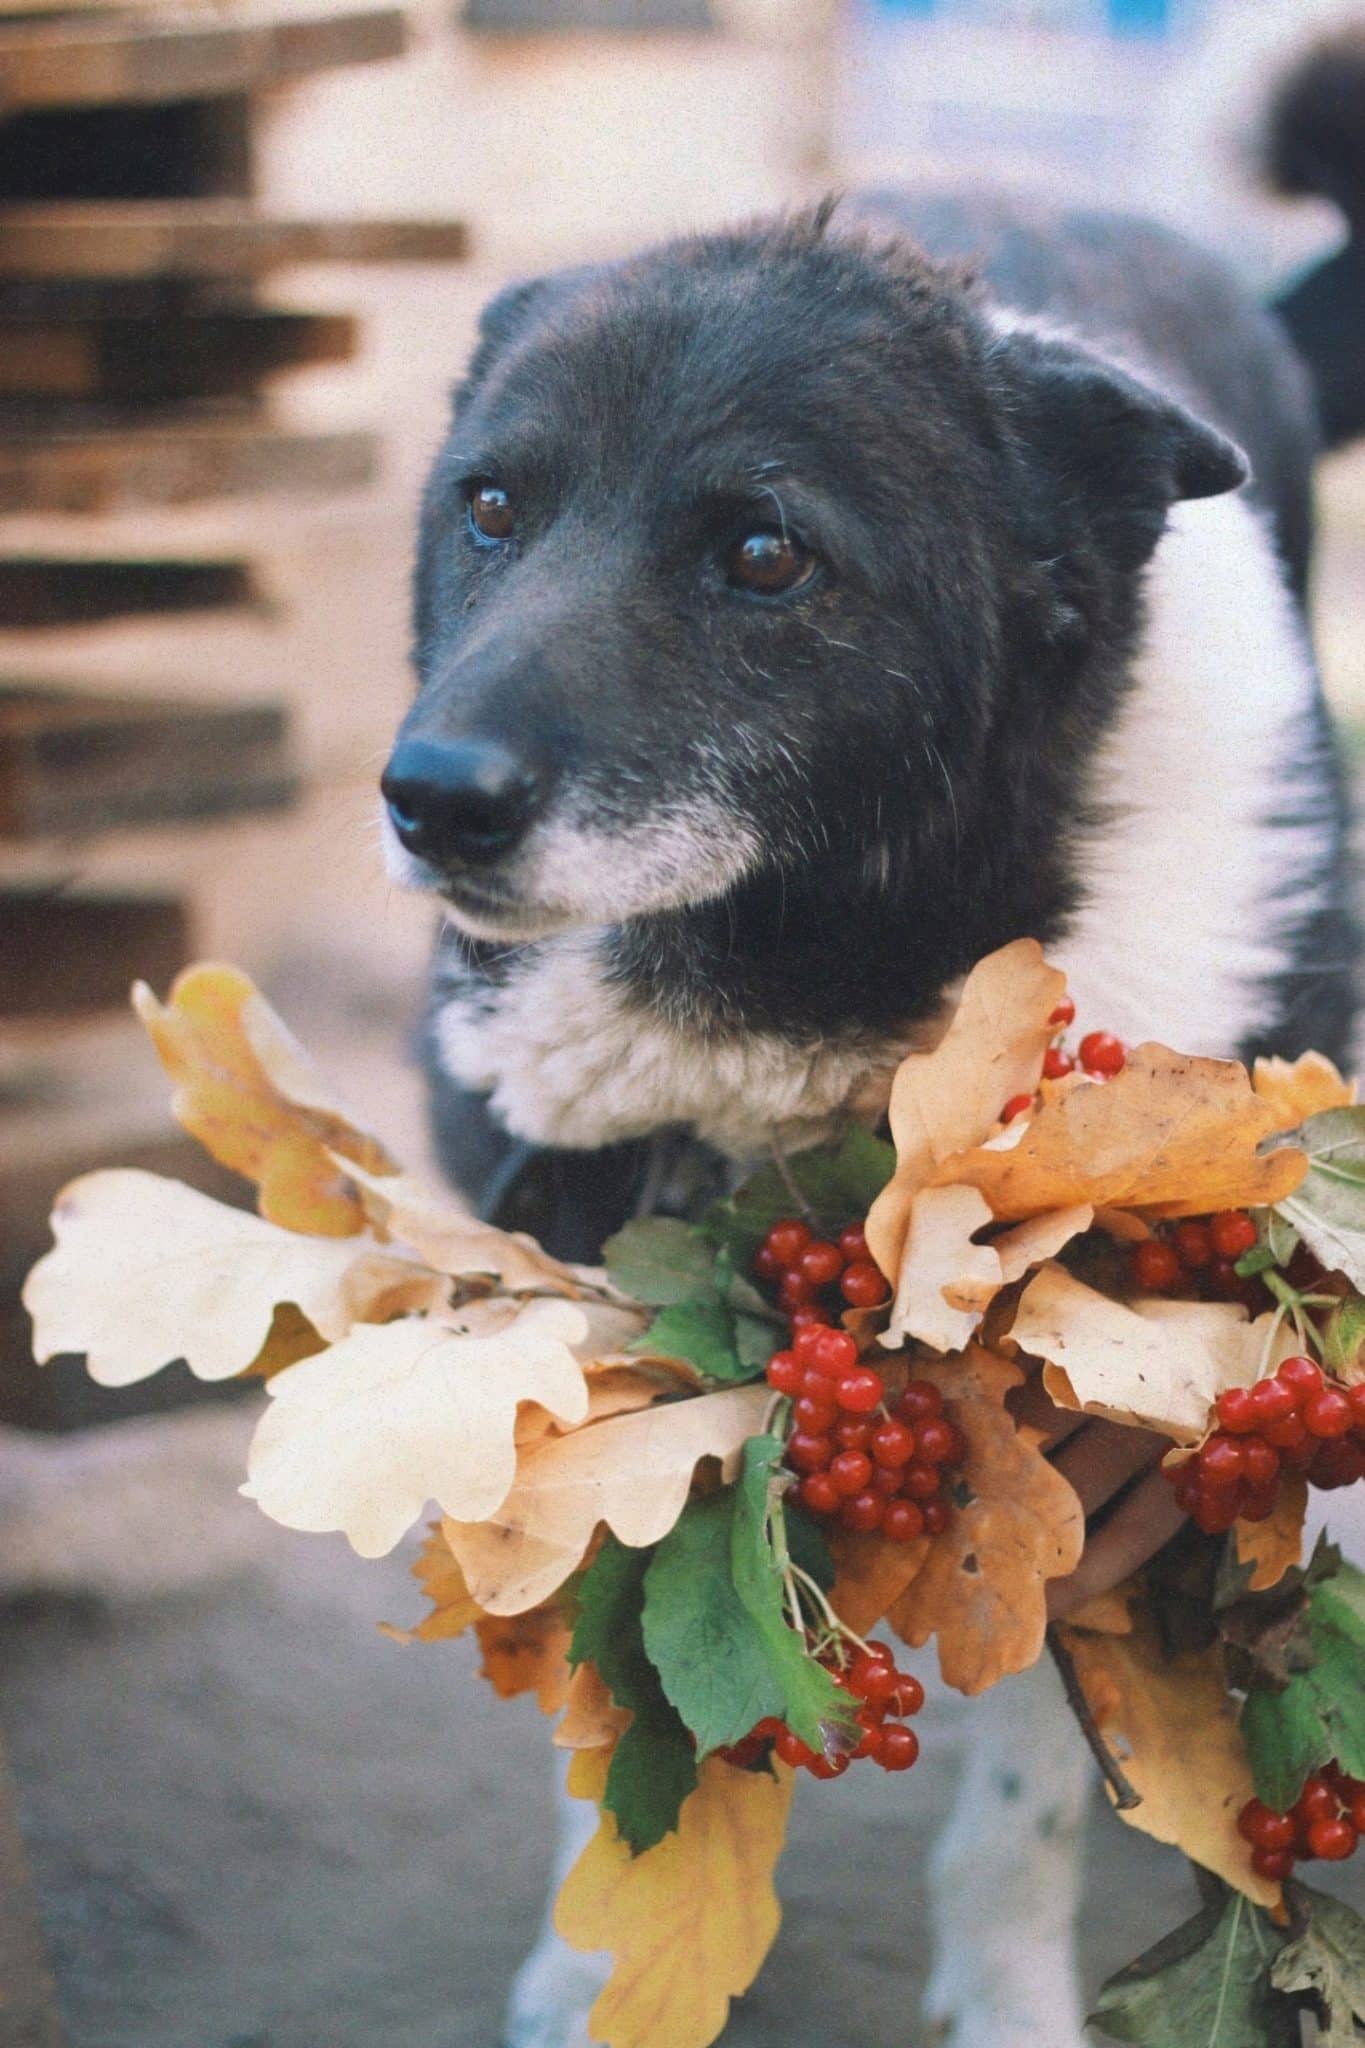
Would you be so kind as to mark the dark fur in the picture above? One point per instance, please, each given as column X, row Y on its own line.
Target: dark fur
column 986, row 507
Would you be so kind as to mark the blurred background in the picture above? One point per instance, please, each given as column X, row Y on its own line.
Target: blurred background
column 241, row 258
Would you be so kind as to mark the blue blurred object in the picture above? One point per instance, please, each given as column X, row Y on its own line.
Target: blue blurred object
column 1120, row 17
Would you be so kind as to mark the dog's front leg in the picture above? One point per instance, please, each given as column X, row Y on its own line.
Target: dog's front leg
column 1005, row 1876
column 557, row 1986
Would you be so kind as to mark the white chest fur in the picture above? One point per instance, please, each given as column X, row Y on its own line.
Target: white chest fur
column 1190, row 874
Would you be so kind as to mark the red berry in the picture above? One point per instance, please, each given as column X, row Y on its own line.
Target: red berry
column 908, row 1697
column 1317, row 1800
column 788, row 1239
column 920, row 1482
column 792, row 1750
column 886, row 1481
column 807, row 1343
column 1258, row 1503
column 853, row 1434
column 794, row 1290
column 818, row 1493
column 939, row 1443
column 1272, row 1401
column 899, row 1748
column 809, row 1316
column 1332, row 1841
column 893, row 1444
column 1357, row 1808
column 937, row 1516
column 863, row 1513
column 1057, row 1064
column 767, row 1265
column 1302, row 1375
column 1290, row 1436
column 1064, row 1014
column 862, row 1284
column 817, row 1386
column 1328, row 1414
column 853, row 1243
column 1338, row 1462
column 1276, row 1864
column 1193, row 1244
column 1235, row 1411
column 821, row 1262
column 860, row 1391
column 903, row 1521
column 814, row 1416
column 872, row 1678
column 1156, row 1266
column 1262, row 1462
column 784, row 1372
column 1232, row 1233
column 1223, row 1459
column 1016, row 1106
column 1224, row 1281
column 1356, row 1397
column 1264, row 1828
column 920, row 1401
column 850, row 1472
column 1102, row 1053
column 836, row 1352
column 809, row 1453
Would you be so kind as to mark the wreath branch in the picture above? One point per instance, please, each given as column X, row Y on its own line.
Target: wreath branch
column 1126, row 1797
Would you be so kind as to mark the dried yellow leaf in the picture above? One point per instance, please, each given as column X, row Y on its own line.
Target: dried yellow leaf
column 1159, row 1364
column 1173, row 1729
column 592, row 1719
column 440, row 1578
column 944, row 1101
column 689, row 1922
column 527, row 1653
column 1170, row 1135
column 361, row 1437
column 633, row 1472
column 145, row 1271
column 247, row 1091
column 448, row 1238
column 1273, row 1546
column 1296, row 1089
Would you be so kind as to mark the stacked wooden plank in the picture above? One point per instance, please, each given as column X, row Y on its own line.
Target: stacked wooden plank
column 139, row 344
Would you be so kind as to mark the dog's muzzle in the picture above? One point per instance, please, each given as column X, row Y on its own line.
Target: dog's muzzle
column 460, row 804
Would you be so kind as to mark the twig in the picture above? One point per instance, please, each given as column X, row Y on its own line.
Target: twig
column 1125, row 1795
column 788, row 1178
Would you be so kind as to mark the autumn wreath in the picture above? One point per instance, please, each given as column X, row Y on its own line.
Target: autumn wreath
column 676, row 1493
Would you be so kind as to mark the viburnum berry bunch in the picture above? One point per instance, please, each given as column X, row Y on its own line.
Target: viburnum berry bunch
column 1324, row 1824
column 1200, row 1258
column 1294, row 1420
column 1099, row 1056
column 887, row 1700
column 872, row 1465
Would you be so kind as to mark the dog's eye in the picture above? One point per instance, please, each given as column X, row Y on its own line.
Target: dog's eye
column 768, row 562
column 490, row 512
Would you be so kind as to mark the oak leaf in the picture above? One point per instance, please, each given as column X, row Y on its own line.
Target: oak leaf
column 1294, row 1090
column 248, row 1092
column 146, row 1270
column 633, row 1472
column 947, row 1100
column 1159, row 1364
column 939, row 1265
column 1170, row 1136
column 1171, row 1724
column 442, row 1581
column 527, row 1653
column 447, row 1237
column 982, row 1588
column 591, row 1718
column 1274, row 1546
column 689, row 1922
column 361, row 1437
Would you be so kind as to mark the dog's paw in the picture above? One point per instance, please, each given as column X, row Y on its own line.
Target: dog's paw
column 553, row 1992
column 1013, row 1999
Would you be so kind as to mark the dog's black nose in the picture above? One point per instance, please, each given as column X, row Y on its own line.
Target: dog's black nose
column 465, row 802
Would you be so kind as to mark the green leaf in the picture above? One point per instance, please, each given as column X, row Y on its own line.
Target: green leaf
column 1325, row 1966
column 715, row 1618
column 654, row 1766
column 1320, row 1713
column 705, row 1331
column 1281, row 1238
column 1343, row 1337
column 814, row 1707
column 1328, row 1206
column 838, row 1183
column 660, row 1261
column 700, row 1636
column 1207, row 1985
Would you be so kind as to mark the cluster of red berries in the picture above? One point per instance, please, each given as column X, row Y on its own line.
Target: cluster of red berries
column 1325, row 1822
column 886, row 1698
column 1297, row 1420
column 1099, row 1054
column 872, row 1467
column 1198, row 1257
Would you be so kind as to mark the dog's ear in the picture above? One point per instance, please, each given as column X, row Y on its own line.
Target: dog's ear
column 1117, row 453
column 512, row 313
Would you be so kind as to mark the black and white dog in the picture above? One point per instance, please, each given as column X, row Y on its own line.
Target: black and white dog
column 803, row 612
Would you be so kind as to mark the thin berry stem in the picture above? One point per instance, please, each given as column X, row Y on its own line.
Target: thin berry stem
column 789, row 1180
column 1126, row 1797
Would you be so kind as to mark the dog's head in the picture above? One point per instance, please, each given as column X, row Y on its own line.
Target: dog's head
column 744, row 561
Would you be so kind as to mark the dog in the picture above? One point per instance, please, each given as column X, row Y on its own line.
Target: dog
column 803, row 612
